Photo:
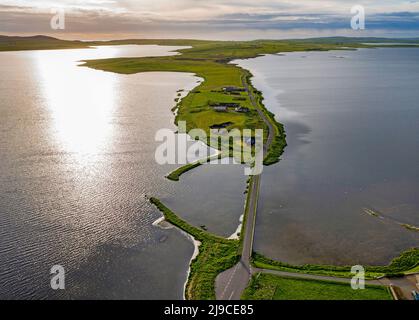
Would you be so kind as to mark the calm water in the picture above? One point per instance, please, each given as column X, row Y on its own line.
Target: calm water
column 352, row 120
column 76, row 161
column 218, row 197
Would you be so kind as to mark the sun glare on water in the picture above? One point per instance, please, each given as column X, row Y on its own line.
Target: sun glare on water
column 81, row 101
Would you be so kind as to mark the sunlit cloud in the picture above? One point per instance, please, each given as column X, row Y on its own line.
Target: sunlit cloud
column 142, row 17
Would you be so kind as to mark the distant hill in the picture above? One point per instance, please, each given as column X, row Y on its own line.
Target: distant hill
column 39, row 42
column 359, row 40
column 31, row 38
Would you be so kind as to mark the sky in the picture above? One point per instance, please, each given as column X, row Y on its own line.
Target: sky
column 208, row 19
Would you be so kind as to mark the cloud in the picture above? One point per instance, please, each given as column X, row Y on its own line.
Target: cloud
column 142, row 16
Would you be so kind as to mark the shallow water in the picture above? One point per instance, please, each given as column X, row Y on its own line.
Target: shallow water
column 211, row 196
column 352, row 120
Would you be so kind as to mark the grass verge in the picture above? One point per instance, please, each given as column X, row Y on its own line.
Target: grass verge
column 408, row 260
column 277, row 147
column 272, row 287
column 216, row 254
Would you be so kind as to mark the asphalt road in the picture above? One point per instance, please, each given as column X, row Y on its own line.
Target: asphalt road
column 231, row 283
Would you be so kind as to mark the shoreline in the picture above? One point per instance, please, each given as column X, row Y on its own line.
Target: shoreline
column 195, row 254
column 214, row 255
column 236, row 234
column 196, row 244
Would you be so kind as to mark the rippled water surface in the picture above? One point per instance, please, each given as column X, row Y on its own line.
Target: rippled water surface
column 76, row 161
column 352, row 120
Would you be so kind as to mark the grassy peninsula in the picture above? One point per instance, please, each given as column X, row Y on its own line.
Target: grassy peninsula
column 224, row 83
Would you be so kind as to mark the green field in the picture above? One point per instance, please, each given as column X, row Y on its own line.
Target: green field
column 406, row 262
column 271, row 287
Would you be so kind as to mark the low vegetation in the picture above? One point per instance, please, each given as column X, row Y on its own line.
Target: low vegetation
column 279, row 142
column 413, row 270
column 216, row 254
column 410, row 227
column 175, row 175
column 272, row 287
column 406, row 261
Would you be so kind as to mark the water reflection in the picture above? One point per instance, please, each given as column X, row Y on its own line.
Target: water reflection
column 77, row 157
column 81, row 102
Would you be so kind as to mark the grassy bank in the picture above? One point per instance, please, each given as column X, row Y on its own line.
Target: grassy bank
column 408, row 260
column 279, row 142
column 271, row 287
column 413, row 270
column 175, row 175
column 216, row 254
